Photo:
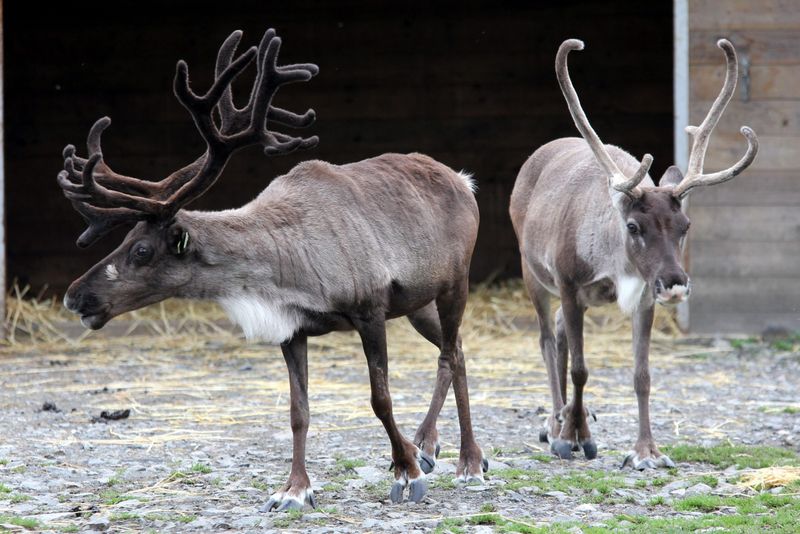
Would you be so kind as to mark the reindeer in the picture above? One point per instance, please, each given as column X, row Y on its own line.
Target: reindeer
column 323, row 248
column 593, row 228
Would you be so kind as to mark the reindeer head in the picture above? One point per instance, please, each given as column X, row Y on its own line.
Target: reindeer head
column 158, row 258
column 651, row 218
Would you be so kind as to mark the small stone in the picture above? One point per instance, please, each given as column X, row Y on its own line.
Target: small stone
column 675, row 485
column 98, row 522
column 477, row 488
column 698, row 489
column 371, row 475
column 586, row 508
column 559, row 495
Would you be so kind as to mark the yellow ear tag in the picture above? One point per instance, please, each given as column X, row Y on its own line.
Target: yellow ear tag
column 183, row 243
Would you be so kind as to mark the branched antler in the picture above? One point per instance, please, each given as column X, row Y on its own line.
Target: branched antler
column 702, row 134
column 107, row 199
column 617, row 179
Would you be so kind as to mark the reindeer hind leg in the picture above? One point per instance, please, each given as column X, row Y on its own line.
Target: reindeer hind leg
column 426, row 322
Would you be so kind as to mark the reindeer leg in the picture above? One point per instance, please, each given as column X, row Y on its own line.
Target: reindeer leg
column 450, row 304
column 645, row 454
column 562, row 350
column 541, row 302
column 297, row 492
column 575, row 427
column 405, row 455
column 426, row 322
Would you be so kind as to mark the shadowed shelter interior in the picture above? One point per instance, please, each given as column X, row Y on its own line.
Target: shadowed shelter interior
column 471, row 84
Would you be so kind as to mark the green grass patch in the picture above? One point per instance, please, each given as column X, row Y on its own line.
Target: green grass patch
column 448, row 454
column 452, row 526
column 444, row 482
column 69, row 528
column 3, row 461
column 289, row 517
column 125, row 516
column 575, row 483
column 742, row 343
column 17, row 498
column 174, row 518
column 201, row 468
column 742, row 456
column 349, row 464
column 24, row 522
column 658, row 500
column 539, row 457
column 112, row 497
column 259, row 485
column 4, row 488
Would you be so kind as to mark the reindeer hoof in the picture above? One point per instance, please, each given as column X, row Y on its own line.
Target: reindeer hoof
column 426, row 462
column 283, row 501
column 396, row 493
column 589, row 449
column 562, row 449
column 543, row 436
column 640, row 464
column 417, row 489
column 485, row 464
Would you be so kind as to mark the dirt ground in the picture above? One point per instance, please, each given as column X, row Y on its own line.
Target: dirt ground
column 208, row 439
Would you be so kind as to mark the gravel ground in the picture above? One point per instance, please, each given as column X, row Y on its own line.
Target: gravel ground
column 208, row 439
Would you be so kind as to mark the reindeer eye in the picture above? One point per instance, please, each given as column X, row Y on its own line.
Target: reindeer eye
column 141, row 253
column 633, row 229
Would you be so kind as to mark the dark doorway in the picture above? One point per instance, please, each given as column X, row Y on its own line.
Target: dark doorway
column 469, row 83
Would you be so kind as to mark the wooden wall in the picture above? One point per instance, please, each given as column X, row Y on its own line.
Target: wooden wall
column 745, row 244
column 470, row 83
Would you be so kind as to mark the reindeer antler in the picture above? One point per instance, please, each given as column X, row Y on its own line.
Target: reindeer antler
column 701, row 134
column 107, row 199
column 618, row 180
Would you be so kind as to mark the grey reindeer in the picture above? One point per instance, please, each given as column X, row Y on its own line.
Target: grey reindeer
column 323, row 248
column 593, row 228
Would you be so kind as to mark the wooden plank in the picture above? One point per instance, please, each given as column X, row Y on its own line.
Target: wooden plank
column 766, row 189
column 762, row 47
column 774, row 153
column 766, row 117
column 746, row 294
column 743, row 14
column 745, row 259
column 767, row 82
column 744, row 223
column 708, row 320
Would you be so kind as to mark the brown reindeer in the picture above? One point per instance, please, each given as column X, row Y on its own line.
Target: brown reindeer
column 323, row 248
column 593, row 228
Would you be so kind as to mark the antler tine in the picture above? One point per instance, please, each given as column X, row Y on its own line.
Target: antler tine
column 106, row 199
column 618, row 180
column 199, row 107
column 701, row 134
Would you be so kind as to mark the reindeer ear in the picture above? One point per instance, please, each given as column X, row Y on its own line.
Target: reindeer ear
column 178, row 240
column 671, row 177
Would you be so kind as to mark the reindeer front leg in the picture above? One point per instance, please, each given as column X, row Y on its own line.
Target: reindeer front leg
column 575, row 426
column 297, row 492
column 645, row 454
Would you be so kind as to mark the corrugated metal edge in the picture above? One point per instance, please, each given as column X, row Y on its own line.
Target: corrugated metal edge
column 680, row 95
